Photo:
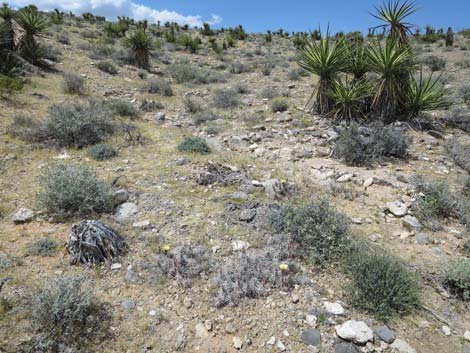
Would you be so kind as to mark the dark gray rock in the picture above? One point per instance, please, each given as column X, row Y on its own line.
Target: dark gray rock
column 128, row 304
column 385, row 334
column 345, row 347
column 424, row 239
column 311, row 337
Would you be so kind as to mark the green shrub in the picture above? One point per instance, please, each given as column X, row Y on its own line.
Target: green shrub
column 107, row 67
column 159, row 86
column 76, row 125
column 203, row 117
column 319, row 232
column 182, row 71
column 381, row 284
column 73, row 84
column 73, row 190
column 279, row 104
column 365, row 145
column 241, row 88
column 270, row 93
column 63, row 38
column 457, row 278
column 9, row 84
column 194, row 145
column 227, row 98
column 239, row 68
column 102, row 152
column 66, row 312
column 43, row 247
column 191, row 105
column 122, row 108
column 435, row 63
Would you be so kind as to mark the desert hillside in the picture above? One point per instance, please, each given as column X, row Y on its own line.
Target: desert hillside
column 169, row 189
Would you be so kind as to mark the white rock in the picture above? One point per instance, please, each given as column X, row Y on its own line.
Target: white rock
column 466, row 336
column 271, row 341
column 355, row 331
column 397, row 208
column 344, row 178
column 368, row 182
column 116, row 266
column 400, row 346
column 280, row 346
column 23, row 215
column 201, row 331
column 239, row 245
column 446, row 330
column 333, row 308
column 311, row 320
column 126, row 212
column 237, row 343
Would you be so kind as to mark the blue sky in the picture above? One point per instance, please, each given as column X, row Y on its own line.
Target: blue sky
column 261, row 15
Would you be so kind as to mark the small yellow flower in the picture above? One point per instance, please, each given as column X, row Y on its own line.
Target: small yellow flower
column 166, row 248
column 284, row 267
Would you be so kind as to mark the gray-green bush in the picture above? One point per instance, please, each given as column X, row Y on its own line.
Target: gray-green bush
column 68, row 190
column 159, row 86
column 457, row 278
column 194, row 144
column 108, row 67
column 43, row 247
column 73, row 84
column 227, row 98
column 102, row 151
column 279, row 104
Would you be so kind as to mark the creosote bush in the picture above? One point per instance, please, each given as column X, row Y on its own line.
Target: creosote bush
column 319, row 232
column 203, row 117
column 73, row 84
column 435, row 63
column 457, row 278
column 102, row 151
column 194, row 144
column 122, row 108
column 381, row 284
column 107, row 67
column 365, row 145
column 69, row 190
column 279, row 104
column 66, row 312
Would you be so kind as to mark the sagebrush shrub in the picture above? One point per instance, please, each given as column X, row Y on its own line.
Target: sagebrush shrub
column 203, row 117
column 122, row 108
column 73, row 84
column 107, row 67
column 182, row 71
column 457, row 278
column 191, row 105
column 76, row 125
column 319, row 232
column 458, row 118
column 227, row 98
column 279, row 104
column 194, row 144
column 102, row 151
column 73, row 190
column 435, row 63
column 381, row 284
column 159, row 86
column 44, row 247
column 363, row 146
column 66, row 311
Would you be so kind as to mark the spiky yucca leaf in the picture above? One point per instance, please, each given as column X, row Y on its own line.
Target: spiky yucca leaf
column 32, row 23
column 325, row 58
column 393, row 64
column 140, row 44
column 7, row 40
column 425, row 93
column 394, row 13
column 356, row 60
column 349, row 100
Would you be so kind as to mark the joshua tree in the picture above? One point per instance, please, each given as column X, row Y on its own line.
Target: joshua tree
column 449, row 37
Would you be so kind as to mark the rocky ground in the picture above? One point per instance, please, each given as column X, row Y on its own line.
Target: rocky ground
column 259, row 158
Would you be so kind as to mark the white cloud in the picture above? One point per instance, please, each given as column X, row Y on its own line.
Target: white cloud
column 113, row 8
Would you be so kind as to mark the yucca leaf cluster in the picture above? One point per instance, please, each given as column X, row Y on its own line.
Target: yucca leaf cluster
column 374, row 79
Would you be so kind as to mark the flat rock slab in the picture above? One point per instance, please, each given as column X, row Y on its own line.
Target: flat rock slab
column 398, row 209
column 355, row 331
column 23, row 215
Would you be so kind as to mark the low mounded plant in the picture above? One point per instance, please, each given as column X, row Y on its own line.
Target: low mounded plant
column 44, row 247
column 203, row 117
column 69, row 190
column 381, row 284
column 73, row 84
column 102, row 151
column 319, row 232
column 159, row 86
column 194, row 144
column 66, row 312
column 457, row 278
column 365, row 145
column 107, row 67
column 226, row 99
column 279, row 104
column 122, row 108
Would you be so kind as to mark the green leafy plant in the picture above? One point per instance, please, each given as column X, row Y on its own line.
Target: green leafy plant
column 349, row 100
column 73, row 84
column 44, row 247
column 107, row 67
column 140, row 44
column 102, row 152
column 194, row 144
column 381, row 284
column 279, row 104
column 457, row 278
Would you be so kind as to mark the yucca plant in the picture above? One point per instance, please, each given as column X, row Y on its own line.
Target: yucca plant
column 140, row 44
column 32, row 23
column 394, row 65
column 8, row 32
column 356, row 60
column 423, row 94
column 349, row 100
column 326, row 59
column 394, row 13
